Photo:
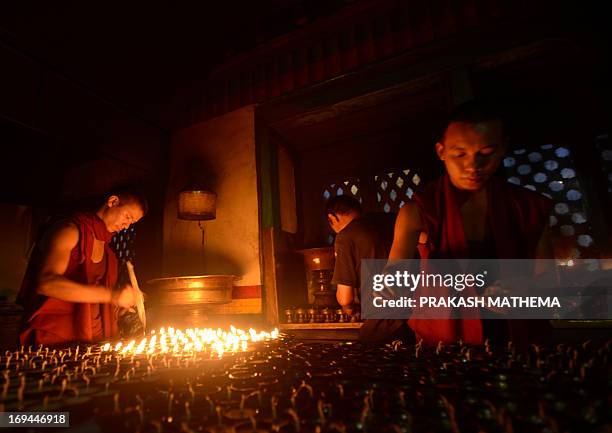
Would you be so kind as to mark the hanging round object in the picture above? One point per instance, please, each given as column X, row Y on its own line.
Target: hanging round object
column 197, row 204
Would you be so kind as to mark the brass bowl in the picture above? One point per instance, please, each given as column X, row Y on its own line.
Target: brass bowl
column 191, row 290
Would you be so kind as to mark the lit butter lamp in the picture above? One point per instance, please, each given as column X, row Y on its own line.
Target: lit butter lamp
column 319, row 263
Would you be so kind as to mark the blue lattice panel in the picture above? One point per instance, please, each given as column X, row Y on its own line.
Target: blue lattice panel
column 550, row 171
column 348, row 187
column 123, row 245
column 394, row 188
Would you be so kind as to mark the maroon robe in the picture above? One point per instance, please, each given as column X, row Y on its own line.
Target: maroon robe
column 51, row 321
column 516, row 218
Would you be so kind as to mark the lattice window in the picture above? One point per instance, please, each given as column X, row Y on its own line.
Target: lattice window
column 550, row 171
column 394, row 188
column 123, row 245
column 348, row 187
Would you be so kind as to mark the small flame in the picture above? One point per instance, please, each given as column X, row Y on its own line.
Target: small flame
column 178, row 341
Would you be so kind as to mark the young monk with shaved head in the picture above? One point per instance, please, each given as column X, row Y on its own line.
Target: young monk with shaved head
column 68, row 291
column 471, row 212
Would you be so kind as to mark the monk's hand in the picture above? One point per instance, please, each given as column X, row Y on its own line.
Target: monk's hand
column 125, row 297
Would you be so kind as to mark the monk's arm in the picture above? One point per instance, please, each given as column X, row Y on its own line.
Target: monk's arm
column 345, row 295
column 52, row 283
column 406, row 233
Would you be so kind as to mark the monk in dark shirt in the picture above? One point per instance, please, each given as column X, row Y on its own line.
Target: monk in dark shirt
column 472, row 213
column 360, row 236
column 68, row 290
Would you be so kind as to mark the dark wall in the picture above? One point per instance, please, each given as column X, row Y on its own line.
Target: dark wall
column 62, row 143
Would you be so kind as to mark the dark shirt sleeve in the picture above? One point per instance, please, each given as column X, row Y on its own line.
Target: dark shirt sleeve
column 345, row 269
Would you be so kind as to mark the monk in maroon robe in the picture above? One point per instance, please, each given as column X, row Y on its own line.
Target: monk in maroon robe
column 471, row 213
column 68, row 290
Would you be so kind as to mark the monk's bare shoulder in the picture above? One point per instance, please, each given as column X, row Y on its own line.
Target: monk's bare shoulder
column 61, row 236
column 406, row 233
column 409, row 217
column 57, row 245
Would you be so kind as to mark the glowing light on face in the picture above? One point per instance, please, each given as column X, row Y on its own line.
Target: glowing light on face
column 472, row 153
column 192, row 340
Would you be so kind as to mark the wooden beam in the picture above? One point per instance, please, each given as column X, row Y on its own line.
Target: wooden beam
column 270, row 292
column 357, row 103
